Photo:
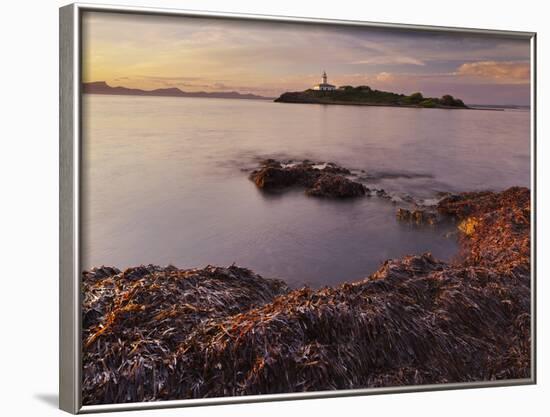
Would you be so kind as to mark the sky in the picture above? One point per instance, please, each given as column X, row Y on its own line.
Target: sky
column 269, row 58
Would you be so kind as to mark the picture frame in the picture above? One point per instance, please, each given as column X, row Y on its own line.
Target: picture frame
column 70, row 201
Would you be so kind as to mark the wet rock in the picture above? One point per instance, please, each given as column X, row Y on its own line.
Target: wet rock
column 335, row 186
column 271, row 163
column 271, row 177
column 332, row 168
column 273, row 174
column 319, row 179
column 418, row 216
column 381, row 193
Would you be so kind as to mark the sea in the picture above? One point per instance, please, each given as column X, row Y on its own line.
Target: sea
column 165, row 181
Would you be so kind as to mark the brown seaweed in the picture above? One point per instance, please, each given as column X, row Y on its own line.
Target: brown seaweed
column 134, row 321
column 154, row 333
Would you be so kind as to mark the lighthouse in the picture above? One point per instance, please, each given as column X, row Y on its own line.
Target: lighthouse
column 324, row 85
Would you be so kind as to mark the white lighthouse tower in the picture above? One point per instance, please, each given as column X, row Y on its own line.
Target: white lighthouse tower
column 324, row 85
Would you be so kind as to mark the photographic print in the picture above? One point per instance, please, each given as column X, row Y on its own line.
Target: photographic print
column 282, row 207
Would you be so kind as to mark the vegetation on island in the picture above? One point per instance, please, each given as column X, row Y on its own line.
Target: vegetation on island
column 364, row 95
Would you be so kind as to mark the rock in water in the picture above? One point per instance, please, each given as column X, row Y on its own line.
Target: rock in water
column 273, row 177
column 418, row 216
column 319, row 179
column 335, row 186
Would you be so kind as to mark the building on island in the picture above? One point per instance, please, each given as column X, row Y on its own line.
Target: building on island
column 324, row 86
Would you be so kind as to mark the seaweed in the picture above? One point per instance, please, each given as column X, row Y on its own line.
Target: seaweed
column 133, row 322
column 153, row 333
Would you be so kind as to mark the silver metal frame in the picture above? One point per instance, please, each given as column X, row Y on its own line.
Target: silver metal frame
column 70, row 398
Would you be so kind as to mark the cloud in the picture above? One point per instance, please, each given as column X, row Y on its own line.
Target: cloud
column 385, row 77
column 511, row 72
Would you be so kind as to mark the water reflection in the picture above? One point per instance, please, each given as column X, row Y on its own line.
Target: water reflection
column 165, row 181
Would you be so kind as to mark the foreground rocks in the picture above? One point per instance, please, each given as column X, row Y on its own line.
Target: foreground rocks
column 155, row 333
column 319, row 180
column 134, row 322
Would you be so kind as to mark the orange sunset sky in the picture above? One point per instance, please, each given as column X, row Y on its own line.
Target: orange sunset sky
column 269, row 58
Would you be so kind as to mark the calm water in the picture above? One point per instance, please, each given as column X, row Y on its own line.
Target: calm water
column 164, row 181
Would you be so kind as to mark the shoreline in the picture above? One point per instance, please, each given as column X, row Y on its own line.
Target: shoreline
column 407, row 106
column 335, row 103
column 152, row 333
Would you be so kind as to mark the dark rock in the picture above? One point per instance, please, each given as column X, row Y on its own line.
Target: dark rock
column 273, row 177
column 332, row 168
column 336, row 186
column 327, row 181
column 271, row 163
column 381, row 193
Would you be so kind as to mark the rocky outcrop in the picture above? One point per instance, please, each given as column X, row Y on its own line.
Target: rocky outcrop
column 155, row 333
column 418, row 216
column 319, row 179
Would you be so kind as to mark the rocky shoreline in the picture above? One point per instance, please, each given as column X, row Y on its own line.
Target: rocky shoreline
column 162, row 333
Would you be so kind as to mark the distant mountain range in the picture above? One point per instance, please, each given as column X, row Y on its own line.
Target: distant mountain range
column 101, row 87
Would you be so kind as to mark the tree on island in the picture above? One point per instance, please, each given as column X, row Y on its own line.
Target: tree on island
column 448, row 100
column 415, row 98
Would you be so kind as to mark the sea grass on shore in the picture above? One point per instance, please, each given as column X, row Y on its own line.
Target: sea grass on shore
column 152, row 333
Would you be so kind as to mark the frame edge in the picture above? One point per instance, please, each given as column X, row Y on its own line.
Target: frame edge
column 69, row 304
column 173, row 11
column 68, row 316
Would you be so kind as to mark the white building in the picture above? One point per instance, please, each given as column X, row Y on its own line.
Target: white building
column 324, row 86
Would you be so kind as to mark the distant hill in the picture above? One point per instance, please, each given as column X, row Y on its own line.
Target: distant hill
column 366, row 96
column 101, row 87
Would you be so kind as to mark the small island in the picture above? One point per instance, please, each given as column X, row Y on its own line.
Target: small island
column 325, row 93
